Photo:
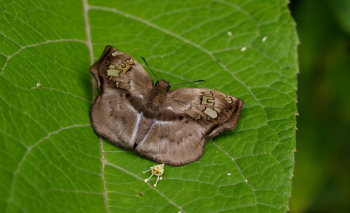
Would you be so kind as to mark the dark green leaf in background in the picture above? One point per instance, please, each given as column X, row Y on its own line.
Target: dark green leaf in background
column 51, row 159
column 322, row 174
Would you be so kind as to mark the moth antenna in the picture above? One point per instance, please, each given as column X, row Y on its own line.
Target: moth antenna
column 189, row 82
column 149, row 67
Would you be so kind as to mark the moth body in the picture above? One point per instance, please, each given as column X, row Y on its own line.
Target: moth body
column 155, row 98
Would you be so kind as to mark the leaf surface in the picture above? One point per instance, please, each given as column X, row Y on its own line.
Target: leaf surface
column 52, row 161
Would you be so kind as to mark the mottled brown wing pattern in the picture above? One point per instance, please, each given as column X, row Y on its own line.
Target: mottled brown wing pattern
column 166, row 127
column 209, row 110
column 116, row 71
column 120, row 80
column 189, row 118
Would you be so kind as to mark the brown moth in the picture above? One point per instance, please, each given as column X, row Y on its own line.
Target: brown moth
column 168, row 127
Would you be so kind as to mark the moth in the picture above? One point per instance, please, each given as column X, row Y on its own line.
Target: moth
column 168, row 127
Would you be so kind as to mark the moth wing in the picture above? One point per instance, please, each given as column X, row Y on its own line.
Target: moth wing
column 117, row 71
column 179, row 134
column 114, row 118
column 209, row 110
column 173, row 142
column 122, row 83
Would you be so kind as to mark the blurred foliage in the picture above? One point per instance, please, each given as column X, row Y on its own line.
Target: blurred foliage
column 321, row 182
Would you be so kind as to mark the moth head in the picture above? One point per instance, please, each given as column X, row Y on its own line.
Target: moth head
column 163, row 85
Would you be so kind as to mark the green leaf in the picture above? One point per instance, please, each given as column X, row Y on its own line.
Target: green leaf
column 51, row 159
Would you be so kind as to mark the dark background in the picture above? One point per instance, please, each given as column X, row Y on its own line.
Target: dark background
column 321, row 180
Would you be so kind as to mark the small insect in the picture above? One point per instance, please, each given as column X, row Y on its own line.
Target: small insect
column 157, row 170
column 168, row 127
